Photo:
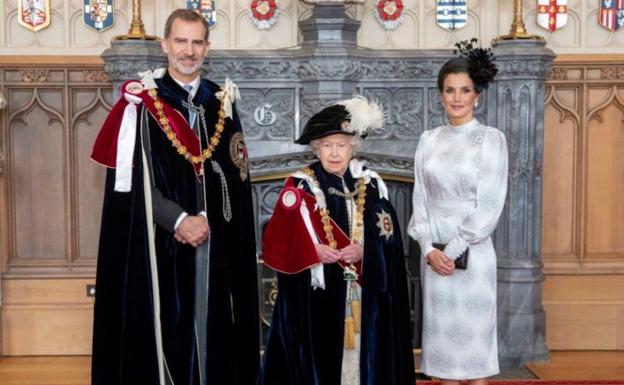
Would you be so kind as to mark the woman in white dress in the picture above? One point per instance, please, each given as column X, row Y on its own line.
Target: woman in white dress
column 459, row 192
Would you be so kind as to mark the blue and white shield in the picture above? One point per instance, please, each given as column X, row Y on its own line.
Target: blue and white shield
column 451, row 14
column 98, row 14
column 206, row 8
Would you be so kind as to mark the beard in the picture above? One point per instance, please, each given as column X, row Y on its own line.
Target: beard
column 185, row 70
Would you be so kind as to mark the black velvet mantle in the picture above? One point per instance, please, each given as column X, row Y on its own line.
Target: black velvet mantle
column 124, row 347
column 305, row 343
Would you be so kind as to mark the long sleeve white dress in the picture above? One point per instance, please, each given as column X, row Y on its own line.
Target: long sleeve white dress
column 459, row 193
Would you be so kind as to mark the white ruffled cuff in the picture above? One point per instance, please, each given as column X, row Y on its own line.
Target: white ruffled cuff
column 455, row 248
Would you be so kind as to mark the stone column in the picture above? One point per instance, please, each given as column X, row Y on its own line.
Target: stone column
column 125, row 58
column 327, row 71
column 516, row 106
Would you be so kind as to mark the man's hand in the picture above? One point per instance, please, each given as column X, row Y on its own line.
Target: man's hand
column 440, row 263
column 326, row 254
column 352, row 253
column 193, row 230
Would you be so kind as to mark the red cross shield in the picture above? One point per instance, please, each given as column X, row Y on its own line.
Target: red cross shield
column 552, row 14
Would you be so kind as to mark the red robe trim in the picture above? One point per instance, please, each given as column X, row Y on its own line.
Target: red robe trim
column 105, row 147
column 287, row 246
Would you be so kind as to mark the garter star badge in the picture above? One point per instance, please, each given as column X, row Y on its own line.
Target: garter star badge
column 33, row 14
column 239, row 154
column 552, row 14
column 98, row 14
column 386, row 229
column 206, row 8
column 451, row 14
column 264, row 13
column 611, row 14
column 389, row 13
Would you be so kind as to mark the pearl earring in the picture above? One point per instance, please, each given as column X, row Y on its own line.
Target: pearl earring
column 476, row 104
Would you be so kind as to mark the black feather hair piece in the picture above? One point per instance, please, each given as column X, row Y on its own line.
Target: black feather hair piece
column 481, row 67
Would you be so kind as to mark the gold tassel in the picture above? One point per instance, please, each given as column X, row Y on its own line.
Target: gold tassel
column 349, row 336
column 356, row 310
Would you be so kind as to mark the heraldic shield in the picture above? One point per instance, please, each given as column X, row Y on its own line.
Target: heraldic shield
column 451, row 14
column 206, row 8
column 98, row 14
column 34, row 14
column 552, row 14
column 611, row 14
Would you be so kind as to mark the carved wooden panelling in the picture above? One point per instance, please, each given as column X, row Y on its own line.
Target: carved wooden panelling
column 53, row 191
column 36, row 141
column 584, row 130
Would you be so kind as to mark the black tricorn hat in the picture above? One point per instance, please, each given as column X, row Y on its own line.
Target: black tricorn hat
column 355, row 116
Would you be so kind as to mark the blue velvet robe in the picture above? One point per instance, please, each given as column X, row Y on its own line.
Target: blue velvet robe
column 124, row 347
column 305, row 345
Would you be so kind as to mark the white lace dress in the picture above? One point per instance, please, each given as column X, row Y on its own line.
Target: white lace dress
column 459, row 193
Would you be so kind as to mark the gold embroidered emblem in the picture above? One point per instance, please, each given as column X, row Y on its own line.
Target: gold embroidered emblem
column 239, row 155
column 386, row 229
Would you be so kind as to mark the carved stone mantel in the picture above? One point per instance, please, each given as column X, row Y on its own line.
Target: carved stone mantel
column 281, row 89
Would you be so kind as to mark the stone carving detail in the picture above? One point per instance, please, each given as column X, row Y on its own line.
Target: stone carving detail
column 280, row 164
column 330, row 68
column 403, row 111
column 34, row 75
column 355, row 68
column 401, row 68
column 95, row 76
column 278, row 104
column 559, row 73
column 240, row 68
column 531, row 67
column 437, row 116
column 403, row 167
column 311, row 106
column 125, row 70
column 612, row 73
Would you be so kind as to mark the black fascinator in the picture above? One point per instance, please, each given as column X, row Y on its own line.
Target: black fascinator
column 481, row 67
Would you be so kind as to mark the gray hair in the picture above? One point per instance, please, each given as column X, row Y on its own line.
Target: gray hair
column 356, row 144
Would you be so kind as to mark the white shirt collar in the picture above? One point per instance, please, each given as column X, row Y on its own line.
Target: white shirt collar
column 194, row 84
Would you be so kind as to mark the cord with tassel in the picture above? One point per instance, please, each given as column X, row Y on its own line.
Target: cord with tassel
column 353, row 309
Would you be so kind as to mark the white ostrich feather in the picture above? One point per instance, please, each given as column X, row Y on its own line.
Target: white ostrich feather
column 366, row 115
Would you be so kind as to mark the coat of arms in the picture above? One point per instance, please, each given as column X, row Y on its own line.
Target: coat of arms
column 263, row 13
column 33, row 14
column 389, row 13
column 611, row 14
column 552, row 14
column 451, row 14
column 98, row 14
column 206, row 8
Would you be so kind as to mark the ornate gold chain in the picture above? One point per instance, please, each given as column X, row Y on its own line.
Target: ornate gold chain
column 356, row 237
column 182, row 150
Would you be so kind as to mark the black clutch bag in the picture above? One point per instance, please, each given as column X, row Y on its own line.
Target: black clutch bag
column 461, row 262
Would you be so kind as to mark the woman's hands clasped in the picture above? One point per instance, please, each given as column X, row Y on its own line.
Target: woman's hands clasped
column 440, row 263
column 350, row 254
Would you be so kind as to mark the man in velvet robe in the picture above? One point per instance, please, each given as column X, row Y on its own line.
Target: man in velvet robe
column 313, row 237
column 176, row 289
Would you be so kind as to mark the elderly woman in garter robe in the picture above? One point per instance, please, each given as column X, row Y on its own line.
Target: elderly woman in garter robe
column 341, row 315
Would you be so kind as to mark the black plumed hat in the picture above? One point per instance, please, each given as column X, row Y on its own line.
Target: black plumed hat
column 355, row 116
column 476, row 61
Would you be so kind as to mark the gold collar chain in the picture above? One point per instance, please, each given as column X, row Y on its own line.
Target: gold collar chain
column 182, row 150
column 358, row 230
